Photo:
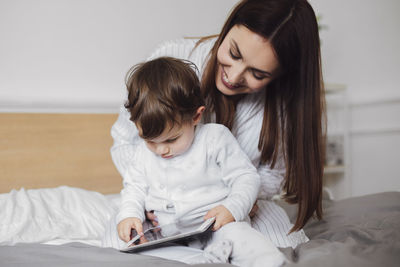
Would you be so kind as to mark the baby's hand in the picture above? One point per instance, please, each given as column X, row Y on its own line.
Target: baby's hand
column 222, row 216
column 126, row 225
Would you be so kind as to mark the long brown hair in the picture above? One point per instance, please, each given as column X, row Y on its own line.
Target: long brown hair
column 294, row 101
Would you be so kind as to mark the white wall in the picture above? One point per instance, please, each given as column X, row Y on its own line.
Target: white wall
column 72, row 55
column 360, row 48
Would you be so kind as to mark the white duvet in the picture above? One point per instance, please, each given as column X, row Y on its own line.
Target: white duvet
column 67, row 214
column 54, row 215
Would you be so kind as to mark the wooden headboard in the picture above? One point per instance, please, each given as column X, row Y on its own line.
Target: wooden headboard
column 41, row 150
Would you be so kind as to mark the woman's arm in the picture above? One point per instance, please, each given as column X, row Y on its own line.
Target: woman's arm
column 126, row 137
column 246, row 129
column 271, row 180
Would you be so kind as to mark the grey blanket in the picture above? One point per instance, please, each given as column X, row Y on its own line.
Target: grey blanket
column 362, row 231
column 78, row 254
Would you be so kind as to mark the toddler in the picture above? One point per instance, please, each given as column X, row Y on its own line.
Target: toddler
column 186, row 171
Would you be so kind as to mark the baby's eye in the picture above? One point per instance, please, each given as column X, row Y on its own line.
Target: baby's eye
column 172, row 140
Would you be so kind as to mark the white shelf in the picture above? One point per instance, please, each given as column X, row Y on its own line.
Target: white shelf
column 333, row 169
column 336, row 170
column 332, row 88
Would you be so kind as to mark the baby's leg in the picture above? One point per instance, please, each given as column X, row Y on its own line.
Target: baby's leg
column 249, row 247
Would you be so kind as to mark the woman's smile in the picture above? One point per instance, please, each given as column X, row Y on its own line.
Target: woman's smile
column 225, row 81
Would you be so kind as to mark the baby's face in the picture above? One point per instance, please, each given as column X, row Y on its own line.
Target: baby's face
column 173, row 141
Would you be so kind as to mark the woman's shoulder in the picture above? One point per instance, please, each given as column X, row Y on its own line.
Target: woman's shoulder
column 202, row 46
column 174, row 48
column 213, row 133
column 191, row 49
column 213, row 128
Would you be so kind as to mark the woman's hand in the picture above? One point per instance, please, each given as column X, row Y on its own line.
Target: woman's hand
column 222, row 216
column 253, row 211
column 125, row 228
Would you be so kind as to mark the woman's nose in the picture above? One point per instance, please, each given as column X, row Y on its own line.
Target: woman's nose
column 235, row 75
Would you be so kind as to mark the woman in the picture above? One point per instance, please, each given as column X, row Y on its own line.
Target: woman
column 262, row 79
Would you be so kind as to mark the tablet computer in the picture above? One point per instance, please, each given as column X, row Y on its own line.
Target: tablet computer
column 160, row 236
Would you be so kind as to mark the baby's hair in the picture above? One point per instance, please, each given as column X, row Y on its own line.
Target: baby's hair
column 161, row 93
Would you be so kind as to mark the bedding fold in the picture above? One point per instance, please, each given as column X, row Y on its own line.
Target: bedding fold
column 58, row 215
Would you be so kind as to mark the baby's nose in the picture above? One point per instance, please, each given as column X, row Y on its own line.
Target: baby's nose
column 162, row 149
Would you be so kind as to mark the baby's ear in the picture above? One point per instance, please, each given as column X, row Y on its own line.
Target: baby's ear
column 197, row 116
column 140, row 130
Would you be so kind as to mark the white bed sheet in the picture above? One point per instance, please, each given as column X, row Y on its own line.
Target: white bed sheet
column 55, row 215
column 65, row 214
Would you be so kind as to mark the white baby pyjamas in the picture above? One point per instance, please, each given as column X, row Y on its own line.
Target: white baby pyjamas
column 214, row 171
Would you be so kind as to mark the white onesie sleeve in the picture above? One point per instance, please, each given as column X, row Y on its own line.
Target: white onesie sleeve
column 237, row 172
column 135, row 190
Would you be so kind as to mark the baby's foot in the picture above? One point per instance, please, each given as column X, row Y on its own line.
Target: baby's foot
column 218, row 252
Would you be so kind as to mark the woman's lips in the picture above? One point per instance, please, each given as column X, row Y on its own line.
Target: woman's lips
column 167, row 157
column 225, row 81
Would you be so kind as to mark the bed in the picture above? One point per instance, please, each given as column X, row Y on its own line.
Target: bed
column 58, row 186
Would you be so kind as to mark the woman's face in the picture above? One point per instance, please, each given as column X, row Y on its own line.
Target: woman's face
column 246, row 62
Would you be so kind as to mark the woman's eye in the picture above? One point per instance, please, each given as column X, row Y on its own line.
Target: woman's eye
column 233, row 55
column 258, row 76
